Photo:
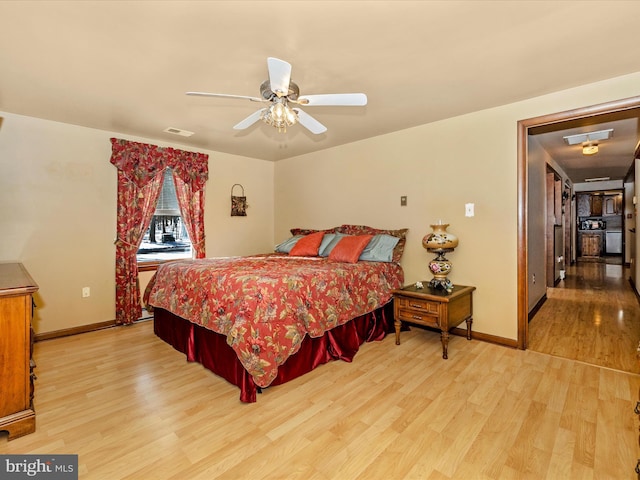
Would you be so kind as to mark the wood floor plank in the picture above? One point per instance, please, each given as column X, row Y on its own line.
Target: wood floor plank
column 591, row 316
column 132, row 408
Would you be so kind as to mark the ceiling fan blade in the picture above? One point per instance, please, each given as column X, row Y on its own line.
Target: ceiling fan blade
column 250, row 120
column 223, row 95
column 279, row 76
column 310, row 123
column 334, row 99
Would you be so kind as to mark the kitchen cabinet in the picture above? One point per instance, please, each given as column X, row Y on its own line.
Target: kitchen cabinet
column 591, row 244
column 612, row 205
column 592, row 205
column 583, row 204
column 596, row 205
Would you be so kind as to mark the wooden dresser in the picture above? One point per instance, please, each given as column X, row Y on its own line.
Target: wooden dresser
column 17, row 415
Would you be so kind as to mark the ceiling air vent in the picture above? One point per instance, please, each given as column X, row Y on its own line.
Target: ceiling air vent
column 177, row 131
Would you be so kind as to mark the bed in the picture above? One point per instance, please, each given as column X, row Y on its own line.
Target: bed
column 263, row 320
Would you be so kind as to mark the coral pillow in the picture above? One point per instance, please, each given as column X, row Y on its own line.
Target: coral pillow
column 308, row 245
column 364, row 230
column 349, row 248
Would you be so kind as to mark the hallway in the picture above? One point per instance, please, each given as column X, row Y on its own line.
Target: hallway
column 591, row 316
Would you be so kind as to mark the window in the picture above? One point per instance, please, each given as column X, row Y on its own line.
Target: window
column 166, row 238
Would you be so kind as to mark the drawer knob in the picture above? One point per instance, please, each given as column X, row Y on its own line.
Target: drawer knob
column 416, row 305
column 638, row 467
column 418, row 317
column 637, row 409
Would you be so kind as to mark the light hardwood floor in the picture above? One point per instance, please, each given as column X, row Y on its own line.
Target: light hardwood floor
column 591, row 316
column 132, row 408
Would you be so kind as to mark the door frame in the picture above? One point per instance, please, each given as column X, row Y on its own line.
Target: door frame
column 522, row 155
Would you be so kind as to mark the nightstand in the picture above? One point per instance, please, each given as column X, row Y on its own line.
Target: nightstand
column 435, row 308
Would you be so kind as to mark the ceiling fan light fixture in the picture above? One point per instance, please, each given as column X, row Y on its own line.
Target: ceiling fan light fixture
column 590, row 148
column 278, row 90
column 280, row 115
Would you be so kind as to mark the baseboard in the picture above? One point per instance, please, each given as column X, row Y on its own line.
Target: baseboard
column 485, row 337
column 537, row 307
column 635, row 290
column 39, row 337
column 462, row 332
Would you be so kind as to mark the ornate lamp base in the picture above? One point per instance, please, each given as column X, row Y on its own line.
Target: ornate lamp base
column 440, row 268
column 441, row 284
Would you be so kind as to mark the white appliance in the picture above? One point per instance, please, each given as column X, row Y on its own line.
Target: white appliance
column 613, row 241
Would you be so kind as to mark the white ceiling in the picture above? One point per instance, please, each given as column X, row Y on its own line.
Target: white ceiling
column 615, row 155
column 124, row 66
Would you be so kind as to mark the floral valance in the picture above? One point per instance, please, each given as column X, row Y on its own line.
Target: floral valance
column 141, row 162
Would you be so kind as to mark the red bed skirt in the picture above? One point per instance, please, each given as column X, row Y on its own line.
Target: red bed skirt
column 211, row 350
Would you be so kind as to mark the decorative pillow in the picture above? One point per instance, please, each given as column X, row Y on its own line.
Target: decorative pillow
column 326, row 240
column 349, row 248
column 380, row 248
column 308, row 245
column 335, row 238
column 307, row 231
column 364, row 230
column 288, row 244
column 302, row 231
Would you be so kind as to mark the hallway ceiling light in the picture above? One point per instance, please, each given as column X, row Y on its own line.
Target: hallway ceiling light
column 589, row 137
column 590, row 148
column 597, row 179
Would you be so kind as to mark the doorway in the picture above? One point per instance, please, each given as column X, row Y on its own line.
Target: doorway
column 586, row 114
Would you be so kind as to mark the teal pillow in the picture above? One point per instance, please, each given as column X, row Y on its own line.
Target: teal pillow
column 325, row 249
column 326, row 240
column 287, row 245
column 380, row 248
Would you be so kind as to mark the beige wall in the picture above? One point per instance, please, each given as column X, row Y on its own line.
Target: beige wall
column 537, row 170
column 58, row 214
column 538, row 159
column 57, row 197
column 440, row 167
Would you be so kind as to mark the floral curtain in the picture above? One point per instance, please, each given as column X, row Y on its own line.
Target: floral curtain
column 192, row 209
column 135, row 209
column 140, row 175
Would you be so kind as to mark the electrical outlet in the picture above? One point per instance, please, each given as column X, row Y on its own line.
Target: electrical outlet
column 86, row 292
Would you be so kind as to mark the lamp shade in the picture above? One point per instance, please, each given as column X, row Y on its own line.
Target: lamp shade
column 440, row 239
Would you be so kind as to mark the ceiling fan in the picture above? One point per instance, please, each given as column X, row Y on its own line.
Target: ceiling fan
column 281, row 93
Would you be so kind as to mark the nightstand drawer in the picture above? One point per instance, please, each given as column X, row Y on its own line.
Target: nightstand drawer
column 416, row 316
column 418, row 304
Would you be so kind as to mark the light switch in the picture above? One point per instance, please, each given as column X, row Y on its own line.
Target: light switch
column 468, row 209
column 403, row 201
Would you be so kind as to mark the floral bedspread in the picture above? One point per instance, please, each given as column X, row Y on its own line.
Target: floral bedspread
column 265, row 305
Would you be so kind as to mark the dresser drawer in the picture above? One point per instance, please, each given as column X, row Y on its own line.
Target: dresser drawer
column 416, row 316
column 418, row 304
